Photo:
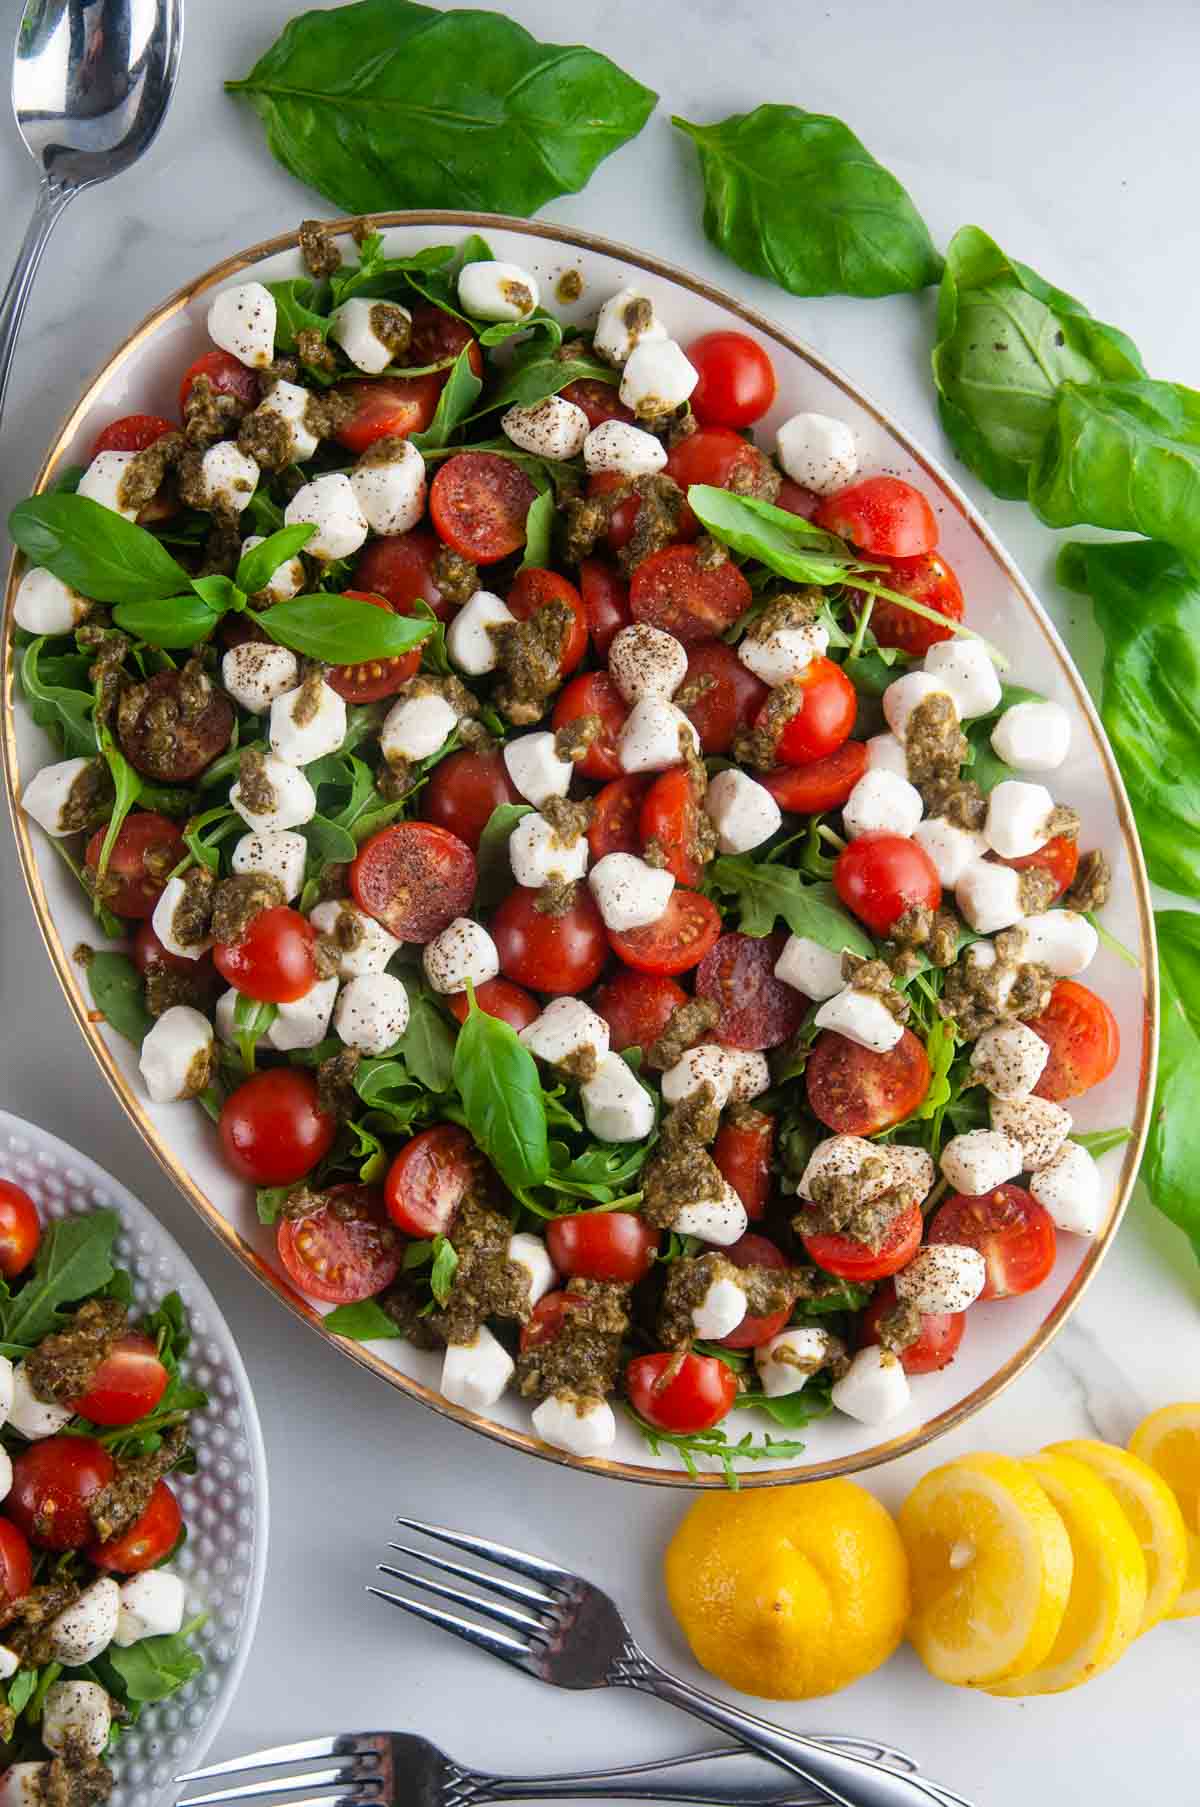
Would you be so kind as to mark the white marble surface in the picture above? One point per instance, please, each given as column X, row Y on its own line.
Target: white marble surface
column 1061, row 129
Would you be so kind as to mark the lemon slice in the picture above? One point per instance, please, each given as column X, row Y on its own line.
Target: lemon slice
column 1151, row 1509
column 1108, row 1581
column 991, row 1570
column 1170, row 1442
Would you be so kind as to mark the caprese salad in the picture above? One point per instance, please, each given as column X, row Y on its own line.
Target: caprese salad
column 608, row 900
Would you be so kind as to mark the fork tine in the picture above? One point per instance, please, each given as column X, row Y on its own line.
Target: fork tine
column 310, row 1749
column 536, row 1568
column 499, row 1584
column 491, row 1609
column 494, row 1642
column 323, row 1781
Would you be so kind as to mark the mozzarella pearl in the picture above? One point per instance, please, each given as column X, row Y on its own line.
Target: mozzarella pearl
column 82, row 1631
column 1035, row 737
column 303, row 728
column 644, row 661
column 615, row 445
column 629, row 893
column 255, row 673
column 176, row 1055
column 912, row 1168
column 352, row 329
column 417, row 726
column 538, row 856
column 1038, row 1127
column 988, row 895
column 330, row 504
column 743, row 812
column 1071, row 1189
column 886, row 754
column 707, row 1064
column 151, row 1607
column 304, row 1023
column 650, row 740
column 163, row 922
column 79, row 1713
column 619, row 327
column 241, row 320
column 282, row 856
column 102, row 480
column 882, row 803
column 1009, row 1060
column 23, row 1784
column 287, row 579
column 47, row 795
column 566, row 1029
column 7, row 1392
column 475, row 1374
column 44, row 604
column 817, row 451
column 372, row 1013
column 951, row 849
column 942, row 1277
column 861, row 1017
column 554, row 428
column 980, row 1160
column 295, row 800
column 1018, row 818
column 616, row 1106
column 875, row 1387
column 790, row 1359
column 361, row 944
column 1063, row 940
column 464, row 952
column 785, row 653
column 497, row 291
column 585, row 1427
column 846, row 1158
column 289, row 403
column 720, row 1310
column 720, row 1221
column 905, row 694
column 809, row 967
column 536, row 771
column 657, row 378
column 750, row 1076
column 529, row 1252
column 228, row 477
column 391, row 496
column 965, row 667
column 35, row 1418
column 468, row 642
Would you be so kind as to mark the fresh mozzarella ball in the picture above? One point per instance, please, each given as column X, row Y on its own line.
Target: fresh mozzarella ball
column 305, row 1022
column 497, row 291
column 912, row 1168
column 162, row 922
column 1037, row 1126
column 330, row 504
column 362, row 944
column 538, row 856
column 533, row 764
column 151, row 1607
column 475, row 1374
column 720, row 1310
column 657, row 378
column 303, row 729
column 102, row 480
column 629, row 893
column 23, row 1784
column 980, row 1160
column 468, row 641
column 645, row 661
column 529, row 1252
column 241, row 320
column 811, row 968
column 1063, row 940
column 882, row 803
column 649, row 741
column 707, row 1064
column 616, row 1106
column 965, row 667
column 905, row 694
column 76, row 1712
column 82, row 1631
column 817, row 451
column 223, row 1020
column 585, row 1427
column 790, row 1359
column 228, row 478
column 627, row 319
column 982, row 954
column 372, row 1013
column 845, row 1158
column 750, row 1075
column 290, row 403
column 1036, row 737
column 566, row 1029
column 280, row 856
column 861, row 1017
column 1071, row 1189
column 875, row 1387
column 951, row 849
column 391, row 495
column 1018, row 818
column 463, row 951
column 615, row 445
column 785, row 654
column 1009, row 1060
column 721, row 1221
column 176, row 1056
column 287, row 579
column 417, row 726
column 295, row 800
column 7, row 1393
column 942, row 1277
column 353, row 330
column 886, row 754
column 6, row 1473
column 554, row 428
column 255, row 673
column 988, row 895
column 47, row 795
column 743, row 812
column 35, row 1418
column 44, row 604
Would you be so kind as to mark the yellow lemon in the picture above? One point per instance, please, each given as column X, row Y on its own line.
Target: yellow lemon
column 1152, row 1510
column 792, row 1592
column 1108, row 1580
column 1170, row 1442
column 991, row 1570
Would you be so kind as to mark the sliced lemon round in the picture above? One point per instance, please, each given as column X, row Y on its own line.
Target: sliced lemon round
column 991, row 1570
column 1169, row 1441
column 1153, row 1512
column 1108, row 1580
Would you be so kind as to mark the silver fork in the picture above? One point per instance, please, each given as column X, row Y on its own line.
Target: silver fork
column 565, row 1631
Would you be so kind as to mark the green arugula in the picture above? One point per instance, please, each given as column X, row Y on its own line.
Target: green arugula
column 715, row 1445
column 427, row 1045
column 74, row 1260
column 251, row 1020
column 65, row 708
column 1100, row 1141
column 764, row 892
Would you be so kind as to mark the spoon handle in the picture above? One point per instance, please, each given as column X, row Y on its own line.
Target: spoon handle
column 52, row 198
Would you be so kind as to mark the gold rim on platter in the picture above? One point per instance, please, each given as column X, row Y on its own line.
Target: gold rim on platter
column 226, row 1231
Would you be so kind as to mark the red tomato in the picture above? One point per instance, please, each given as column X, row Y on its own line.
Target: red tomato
column 554, row 954
column 428, row 1180
column 605, row 602
column 16, row 1563
column 1084, row 1042
column 148, row 1539
column 20, row 1231
column 756, row 1251
column 881, row 515
column 682, row 1396
column 273, row 1131
column 437, row 334
column 275, row 960
column 742, row 1152
column 679, row 940
column 387, row 407
column 856, row 1091
column 400, row 567
column 594, row 694
column 737, row 379
column 414, row 878
column 532, row 589
column 826, row 705
column 602, row 1245
column 928, row 579
column 757, row 1009
column 132, row 433
column 797, row 500
column 672, row 589
column 637, row 1007
column 128, row 1383
column 934, row 1349
column 149, row 955
column 463, row 790
column 227, row 375
column 373, row 679
column 882, row 876
column 343, row 1253
column 478, row 502
column 809, row 790
column 616, row 815
column 850, row 1259
column 671, row 815
column 53, row 1481
column 1013, row 1233
column 731, row 699
column 1059, row 857
column 717, row 456
column 547, row 1319
column 146, row 848
column 511, row 1004
column 623, row 519
column 599, row 400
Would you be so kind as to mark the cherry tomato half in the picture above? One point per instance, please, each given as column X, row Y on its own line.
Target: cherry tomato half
column 826, row 705
column 599, row 401
column 16, row 1562
column 463, row 790
column 730, row 696
column 881, row 515
column 882, row 876
column 936, row 1346
column 128, row 1383
column 428, row 1180
column 594, row 693
column 679, row 940
column 719, row 457
column 227, row 374
column 373, row 679
column 616, row 817
column 1084, row 1042
column 547, row 953
column 928, row 579
column 809, row 790
column 478, row 502
column 1059, row 857
column 146, row 848
column 637, row 1007
column 742, row 1152
column 850, row 1259
column 387, row 407
column 511, row 1004
column 275, row 960
column 400, row 567
column 857, row 1091
column 1014, row 1234
column 680, row 1396
column 53, row 1482
column 20, row 1230
column 605, row 602
column 132, row 433
column 675, row 590
column 602, row 1245
column 757, row 1009
column 737, row 379
column 148, row 1539
column 414, row 878
column 756, row 1251
column 532, row 589
column 672, row 815
column 546, row 1320
column 273, row 1130
column 343, row 1253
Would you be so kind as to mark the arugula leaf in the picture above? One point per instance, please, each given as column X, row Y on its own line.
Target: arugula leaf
column 794, row 1410
column 74, row 1260
column 154, row 1668
column 204, row 833
column 797, row 198
column 365, row 1322
column 538, row 524
column 501, row 1092
column 118, row 993
column 385, row 275
column 536, row 372
column 459, row 395
column 786, row 543
column 251, row 1020
column 295, row 312
column 1172, row 1157
column 765, row 892
column 257, row 567
column 493, row 879
column 21, row 1689
column 715, row 1444
column 65, row 709
column 94, row 550
column 340, row 631
column 443, row 1269
column 427, row 1045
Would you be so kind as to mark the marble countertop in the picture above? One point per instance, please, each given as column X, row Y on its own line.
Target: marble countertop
column 1055, row 130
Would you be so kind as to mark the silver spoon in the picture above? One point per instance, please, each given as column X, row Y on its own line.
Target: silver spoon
column 92, row 80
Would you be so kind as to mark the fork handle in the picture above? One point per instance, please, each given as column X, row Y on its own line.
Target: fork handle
column 52, row 198
column 702, row 1777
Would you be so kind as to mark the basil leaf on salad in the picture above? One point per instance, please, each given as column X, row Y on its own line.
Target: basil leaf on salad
column 118, row 994
column 767, row 891
column 427, row 1045
column 94, row 550
column 74, row 1260
column 1172, row 1156
column 364, row 1322
column 257, row 567
column 154, row 1668
column 536, row 373
column 176, row 622
column 786, row 543
column 339, row 631
column 493, row 874
column 797, row 198
column 501, row 1092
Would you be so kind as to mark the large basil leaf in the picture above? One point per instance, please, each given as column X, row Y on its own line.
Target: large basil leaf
column 174, row 622
column 1147, row 603
column 795, row 197
column 65, row 709
column 340, row 631
column 94, row 550
column 119, row 996
column 257, row 567
column 153, row 1668
column 427, row 1045
column 767, row 891
column 1006, row 340
column 386, row 104
column 501, row 1092
column 784, row 542
column 364, row 1322
column 1172, row 1158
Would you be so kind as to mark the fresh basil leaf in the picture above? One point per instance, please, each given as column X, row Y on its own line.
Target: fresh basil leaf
column 365, row 1322
column 795, row 197
column 94, row 550
column 493, row 874
column 176, row 621
column 74, row 1260
column 417, row 1255
column 535, row 373
column 387, row 105
column 1100, row 1141
column 538, row 524
column 329, row 842
column 459, row 395
column 443, row 1269
column 766, row 892
column 297, row 311
column 340, row 631
column 67, row 481
column 1172, row 1157
column 21, row 1689
column 66, row 710
column 427, row 1045
column 786, row 543
column 118, row 994
column 257, row 567
column 263, row 514
column 154, row 1668
column 501, row 1091
column 270, row 1201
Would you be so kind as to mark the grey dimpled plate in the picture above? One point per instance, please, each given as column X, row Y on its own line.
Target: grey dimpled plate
column 224, row 1503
